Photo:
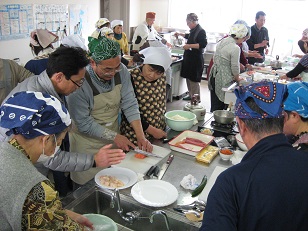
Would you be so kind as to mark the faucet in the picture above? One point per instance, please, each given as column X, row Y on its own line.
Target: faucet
column 160, row 212
column 130, row 217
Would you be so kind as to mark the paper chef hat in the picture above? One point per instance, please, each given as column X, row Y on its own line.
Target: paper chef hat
column 157, row 56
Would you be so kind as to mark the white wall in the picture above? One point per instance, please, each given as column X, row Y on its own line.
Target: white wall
column 19, row 48
column 160, row 7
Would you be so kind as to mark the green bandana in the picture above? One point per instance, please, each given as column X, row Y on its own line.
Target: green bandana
column 103, row 48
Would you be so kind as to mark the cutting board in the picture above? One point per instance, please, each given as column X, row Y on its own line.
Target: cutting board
column 205, row 192
column 143, row 165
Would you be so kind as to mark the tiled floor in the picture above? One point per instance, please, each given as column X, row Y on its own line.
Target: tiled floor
column 205, row 99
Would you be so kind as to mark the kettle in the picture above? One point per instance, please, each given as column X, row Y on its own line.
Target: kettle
column 276, row 63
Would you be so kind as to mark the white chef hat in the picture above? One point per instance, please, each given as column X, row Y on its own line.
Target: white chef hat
column 158, row 56
column 74, row 40
column 101, row 22
column 115, row 23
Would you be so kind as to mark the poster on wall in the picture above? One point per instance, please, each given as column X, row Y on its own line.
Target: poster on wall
column 16, row 21
column 52, row 17
column 78, row 19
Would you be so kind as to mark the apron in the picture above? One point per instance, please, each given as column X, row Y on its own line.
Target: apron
column 151, row 98
column 105, row 112
column 221, row 71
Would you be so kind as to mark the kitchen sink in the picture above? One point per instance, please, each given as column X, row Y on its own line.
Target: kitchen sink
column 99, row 201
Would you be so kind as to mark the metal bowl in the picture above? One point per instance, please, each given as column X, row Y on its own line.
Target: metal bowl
column 223, row 116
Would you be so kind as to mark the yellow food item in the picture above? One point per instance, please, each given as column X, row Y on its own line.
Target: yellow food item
column 207, row 154
column 206, row 131
column 111, row 181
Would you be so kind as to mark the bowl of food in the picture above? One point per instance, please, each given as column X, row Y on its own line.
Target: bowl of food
column 240, row 142
column 101, row 222
column 223, row 116
column 180, row 120
column 226, row 153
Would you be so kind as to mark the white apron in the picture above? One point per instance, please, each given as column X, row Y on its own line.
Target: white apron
column 105, row 112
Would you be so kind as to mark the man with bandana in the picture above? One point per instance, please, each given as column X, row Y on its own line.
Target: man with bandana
column 64, row 75
column 268, row 189
column 296, row 117
column 95, row 107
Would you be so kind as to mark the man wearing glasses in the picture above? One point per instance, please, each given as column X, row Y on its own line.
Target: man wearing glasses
column 95, row 107
column 65, row 74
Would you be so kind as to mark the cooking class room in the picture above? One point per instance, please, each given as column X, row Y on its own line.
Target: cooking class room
column 152, row 115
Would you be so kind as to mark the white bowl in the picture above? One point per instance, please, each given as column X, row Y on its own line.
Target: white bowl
column 240, row 142
column 180, row 125
column 101, row 222
column 226, row 156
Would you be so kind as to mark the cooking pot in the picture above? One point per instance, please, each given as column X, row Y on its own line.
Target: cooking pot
column 276, row 63
column 223, row 116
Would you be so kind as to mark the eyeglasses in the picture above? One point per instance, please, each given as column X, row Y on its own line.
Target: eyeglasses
column 110, row 71
column 80, row 82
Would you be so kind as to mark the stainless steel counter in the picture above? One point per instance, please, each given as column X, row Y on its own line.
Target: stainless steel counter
column 181, row 166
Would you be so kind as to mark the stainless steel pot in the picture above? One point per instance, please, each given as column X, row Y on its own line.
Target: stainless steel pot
column 223, row 116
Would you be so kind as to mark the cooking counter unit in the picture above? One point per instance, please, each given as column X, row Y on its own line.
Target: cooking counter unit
column 181, row 166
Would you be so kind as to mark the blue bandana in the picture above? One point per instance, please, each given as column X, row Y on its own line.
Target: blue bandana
column 297, row 98
column 268, row 96
column 33, row 114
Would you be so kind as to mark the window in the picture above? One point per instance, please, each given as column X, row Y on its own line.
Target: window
column 285, row 19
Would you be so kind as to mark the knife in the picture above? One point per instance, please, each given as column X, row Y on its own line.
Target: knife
column 146, row 153
column 165, row 167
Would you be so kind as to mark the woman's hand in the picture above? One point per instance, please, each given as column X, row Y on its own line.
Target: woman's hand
column 156, row 133
column 107, row 156
column 82, row 220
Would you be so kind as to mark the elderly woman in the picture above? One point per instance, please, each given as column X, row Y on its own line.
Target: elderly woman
column 302, row 67
column 226, row 66
column 102, row 22
column 120, row 36
column 38, row 123
column 149, row 83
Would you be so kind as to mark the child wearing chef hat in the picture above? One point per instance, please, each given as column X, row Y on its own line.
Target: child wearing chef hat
column 149, row 83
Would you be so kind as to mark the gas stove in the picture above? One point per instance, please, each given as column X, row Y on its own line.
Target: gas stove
column 220, row 129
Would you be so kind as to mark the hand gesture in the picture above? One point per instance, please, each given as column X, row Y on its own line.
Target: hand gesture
column 107, row 156
column 123, row 143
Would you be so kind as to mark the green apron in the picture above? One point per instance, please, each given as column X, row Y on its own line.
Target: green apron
column 105, row 112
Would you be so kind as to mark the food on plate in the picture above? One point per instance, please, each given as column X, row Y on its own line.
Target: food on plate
column 178, row 117
column 140, row 156
column 111, row 181
column 206, row 155
column 201, row 186
column 192, row 141
column 226, row 151
column 206, row 131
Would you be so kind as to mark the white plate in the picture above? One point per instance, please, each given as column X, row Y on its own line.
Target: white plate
column 155, row 193
column 190, row 149
column 127, row 176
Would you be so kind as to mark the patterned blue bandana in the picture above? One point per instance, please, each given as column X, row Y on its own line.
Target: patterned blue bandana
column 33, row 114
column 297, row 99
column 268, row 96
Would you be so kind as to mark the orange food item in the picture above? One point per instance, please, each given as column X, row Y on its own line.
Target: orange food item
column 226, row 151
column 140, row 156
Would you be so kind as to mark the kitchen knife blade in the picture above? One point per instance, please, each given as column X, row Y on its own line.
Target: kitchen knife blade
column 146, row 153
column 165, row 167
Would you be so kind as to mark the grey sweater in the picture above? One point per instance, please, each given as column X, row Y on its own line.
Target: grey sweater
column 18, row 177
column 63, row 161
